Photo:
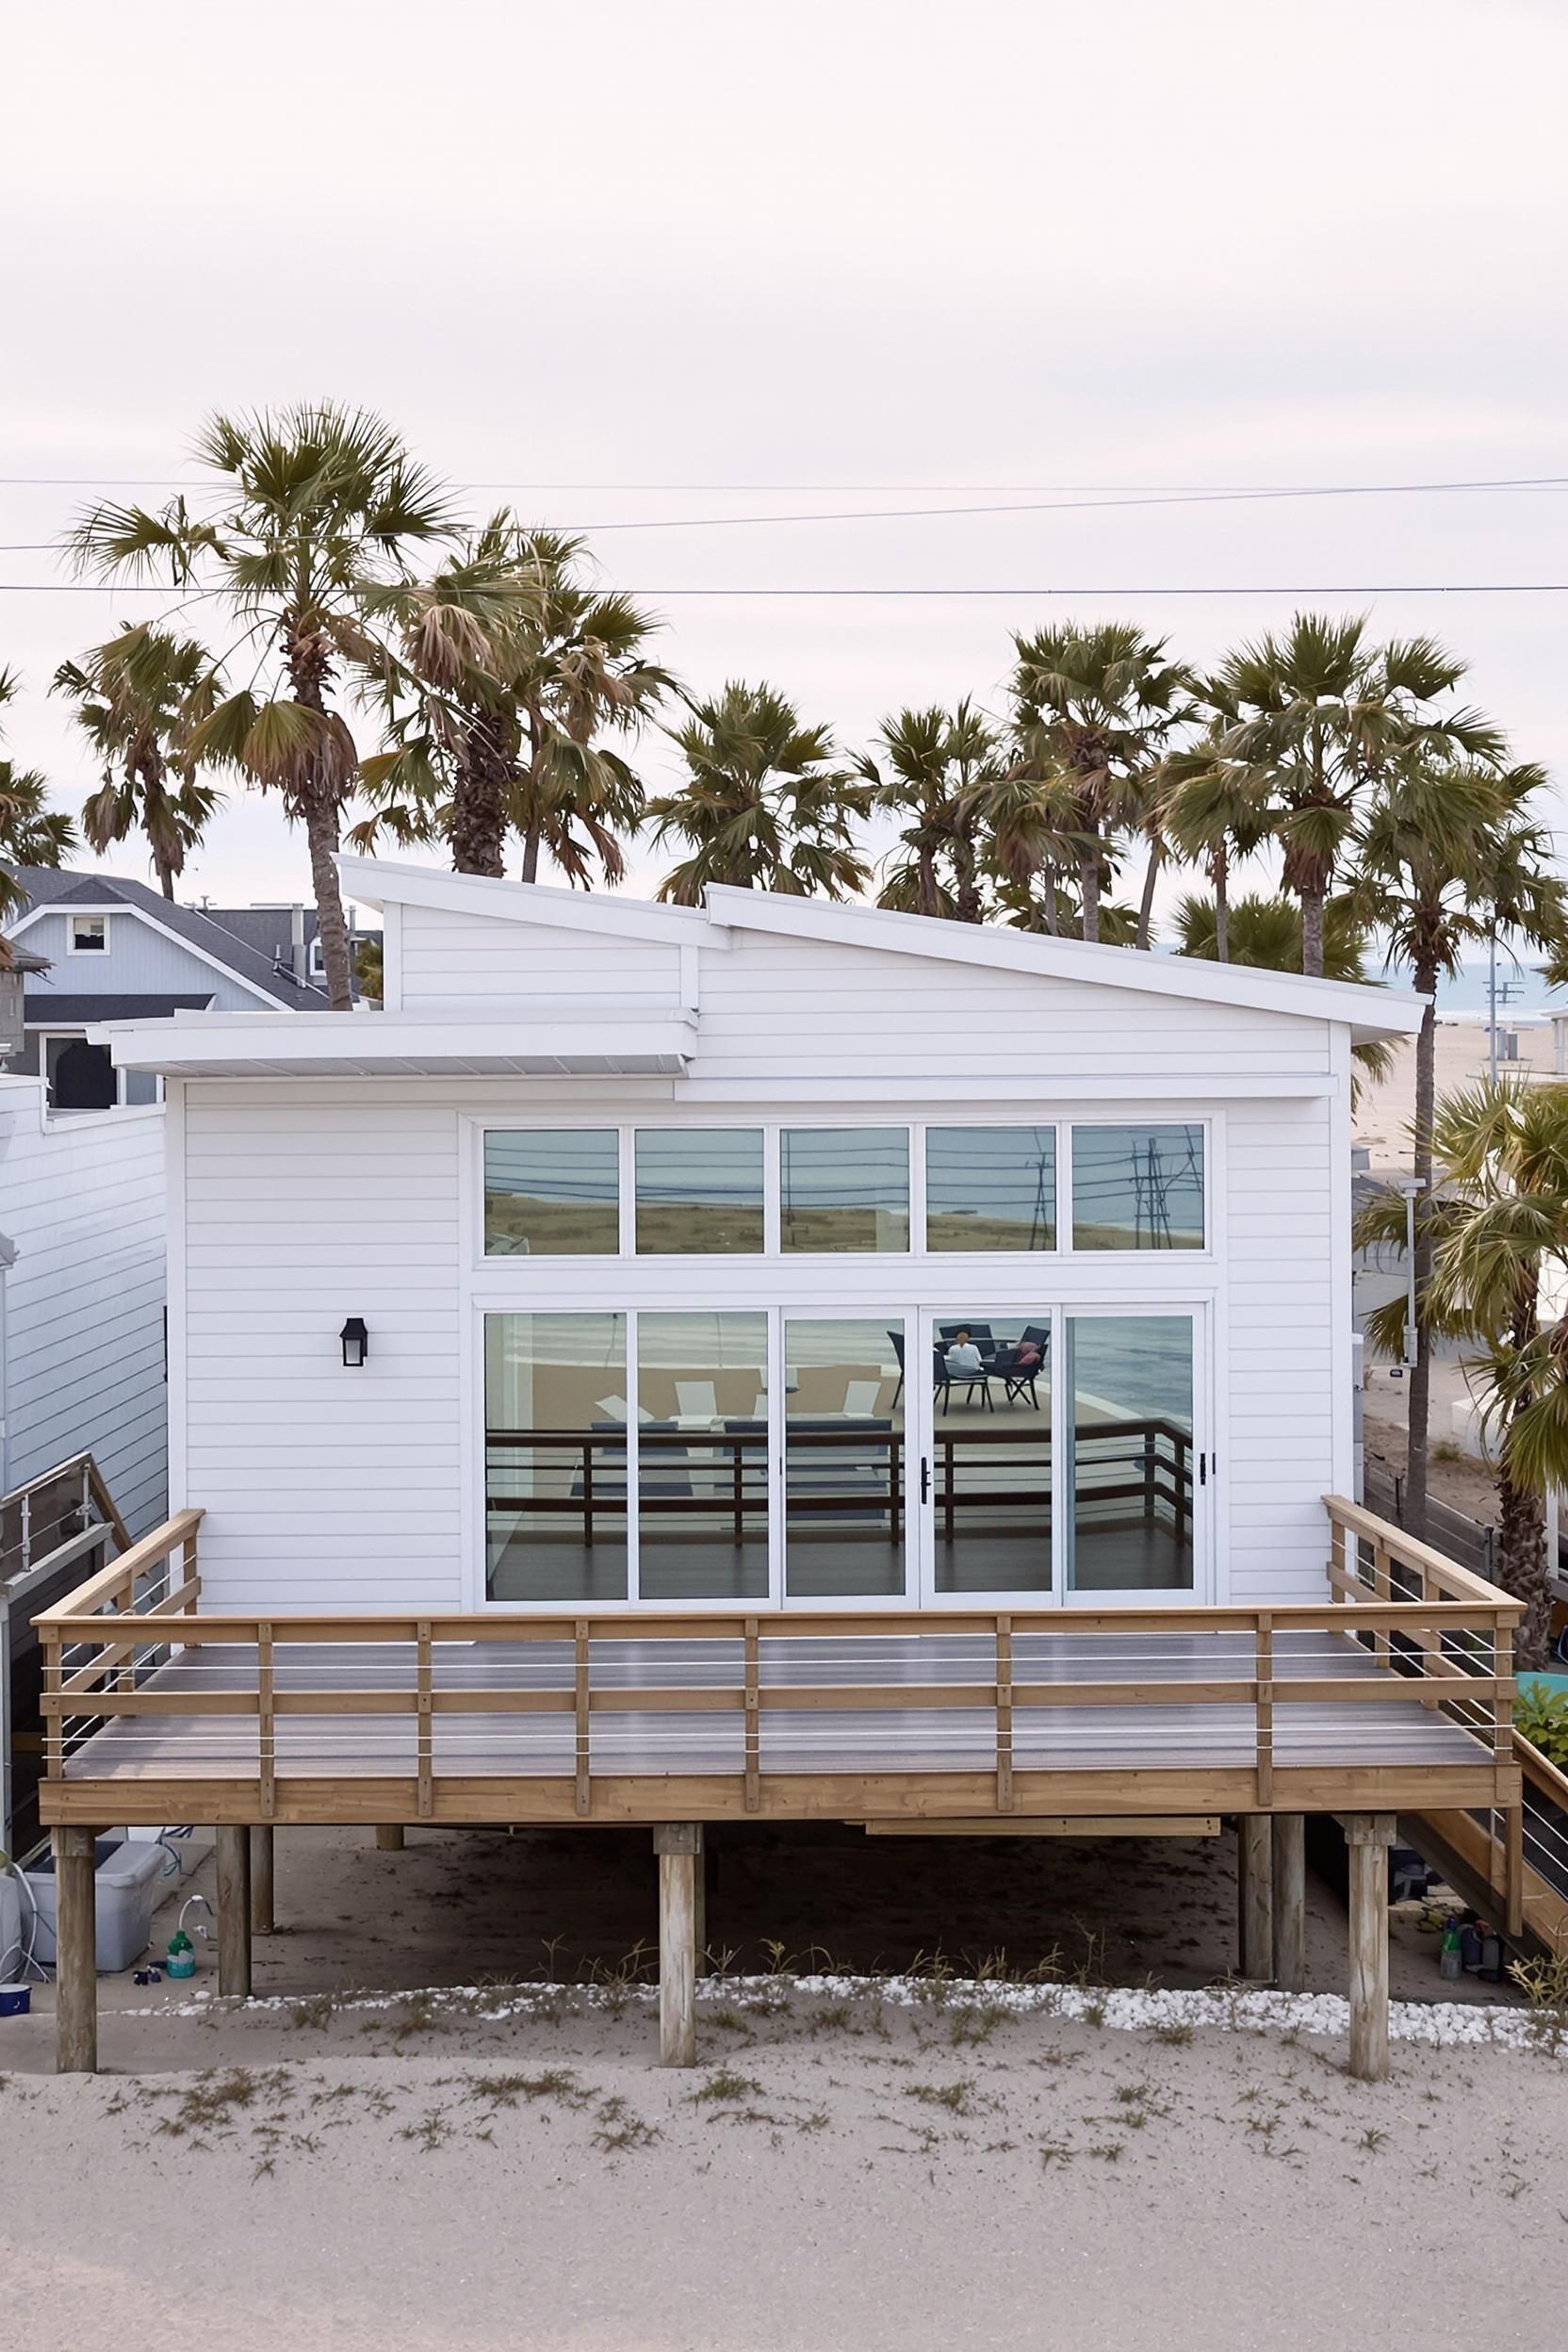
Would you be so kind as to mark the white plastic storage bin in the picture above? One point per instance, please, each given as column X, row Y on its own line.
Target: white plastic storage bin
column 126, row 1878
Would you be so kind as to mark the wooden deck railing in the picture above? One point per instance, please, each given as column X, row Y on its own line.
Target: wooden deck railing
column 1443, row 1636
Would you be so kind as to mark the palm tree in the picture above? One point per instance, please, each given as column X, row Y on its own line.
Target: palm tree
column 1211, row 812
column 1319, row 713
column 1446, row 853
column 938, row 763
column 765, row 804
column 139, row 700
column 1093, row 710
column 31, row 833
column 1265, row 935
column 317, row 507
column 514, row 673
column 1498, row 1227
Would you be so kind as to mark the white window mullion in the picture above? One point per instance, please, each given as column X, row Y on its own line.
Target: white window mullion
column 628, row 1165
column 633, row 1461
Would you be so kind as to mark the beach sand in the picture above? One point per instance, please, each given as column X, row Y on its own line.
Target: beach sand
column 510, row 2168
column 840, row 2173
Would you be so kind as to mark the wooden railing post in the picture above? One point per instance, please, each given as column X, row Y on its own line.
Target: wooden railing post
column 583, row 1722
column 752, row 1717
column 425, row 1673
column 1003, row 1714
column 265, row 1735
column 1264, row 1706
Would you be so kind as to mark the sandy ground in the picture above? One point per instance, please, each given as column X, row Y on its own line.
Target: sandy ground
column 418, row 2171
column 460, row 1907
column 1385, row 1111
column 838, row 2174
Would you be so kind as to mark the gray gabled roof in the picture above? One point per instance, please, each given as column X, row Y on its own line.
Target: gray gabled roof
column 43, row 1009
column 45, row 887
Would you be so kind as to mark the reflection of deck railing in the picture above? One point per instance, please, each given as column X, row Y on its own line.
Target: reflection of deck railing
column 726, row 1471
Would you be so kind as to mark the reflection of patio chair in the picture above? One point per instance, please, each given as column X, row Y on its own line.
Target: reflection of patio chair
column 860, row 1399
column 1020, row 1367
column 982, row 1334
column 947, row 1382
column 696, row 1400
column 897, row 1338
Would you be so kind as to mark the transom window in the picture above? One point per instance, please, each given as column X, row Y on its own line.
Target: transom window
column 1137, row 1188
column 698, row 1189
column 838, row 1191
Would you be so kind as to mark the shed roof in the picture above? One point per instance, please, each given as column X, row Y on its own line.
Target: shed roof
column 1370, row 1012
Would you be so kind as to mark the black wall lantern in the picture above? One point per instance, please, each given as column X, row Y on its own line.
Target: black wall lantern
column 356, row 1342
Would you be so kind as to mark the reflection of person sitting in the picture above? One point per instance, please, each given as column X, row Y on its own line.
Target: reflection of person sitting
column 963, row 1357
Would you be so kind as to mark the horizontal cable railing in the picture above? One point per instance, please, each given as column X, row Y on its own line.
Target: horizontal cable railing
column 760, row 1698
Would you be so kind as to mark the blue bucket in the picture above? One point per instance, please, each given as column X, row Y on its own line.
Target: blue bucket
column 15, row 2000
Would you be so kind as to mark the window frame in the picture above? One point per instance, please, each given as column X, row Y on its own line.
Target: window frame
column 1210, row 1125
column 80, row 915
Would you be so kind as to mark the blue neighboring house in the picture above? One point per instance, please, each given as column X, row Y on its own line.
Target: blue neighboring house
column 112, row 949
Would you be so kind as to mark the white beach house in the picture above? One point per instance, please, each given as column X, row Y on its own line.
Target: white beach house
column 775, row 1362
column 661, row 1225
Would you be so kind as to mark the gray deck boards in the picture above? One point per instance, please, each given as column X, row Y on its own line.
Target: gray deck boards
column 815, row 1739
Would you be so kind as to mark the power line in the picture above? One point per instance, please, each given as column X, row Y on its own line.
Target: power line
column 1408, row 588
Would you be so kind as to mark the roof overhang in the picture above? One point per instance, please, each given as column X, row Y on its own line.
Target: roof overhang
column 414, row 1045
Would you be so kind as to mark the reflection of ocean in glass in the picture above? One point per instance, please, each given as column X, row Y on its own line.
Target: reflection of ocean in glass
column 551, row 1192
column 991, row 1188
column 844, row 1188
column 1131, row 1469
column 698, row 1189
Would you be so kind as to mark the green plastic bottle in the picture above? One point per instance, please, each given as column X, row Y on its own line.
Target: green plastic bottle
column 182, row 1955
column 1451, row 1958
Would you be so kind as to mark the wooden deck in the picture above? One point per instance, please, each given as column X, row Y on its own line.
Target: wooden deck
column 1393, row 1694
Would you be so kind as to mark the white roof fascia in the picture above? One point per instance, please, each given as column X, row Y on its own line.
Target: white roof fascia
column 138, row 914
column 250, row 1041
column 1372, row 1012
column 374, row 881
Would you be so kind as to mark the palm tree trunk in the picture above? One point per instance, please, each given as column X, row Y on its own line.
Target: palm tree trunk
column 930, row 903
column 1150, row 875
column 1048, row 902
column 1219, row 867
column 479, row 804
column 1088, row 891
column 320, row 814
column 166, row 878
column 530, row 852
column 1417, row 1451
column 1312, row 933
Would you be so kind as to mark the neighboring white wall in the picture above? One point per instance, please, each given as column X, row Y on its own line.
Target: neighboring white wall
column 82, row 1198
column 307, row 1202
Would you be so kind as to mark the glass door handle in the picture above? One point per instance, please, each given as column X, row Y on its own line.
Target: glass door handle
column 925, row 1478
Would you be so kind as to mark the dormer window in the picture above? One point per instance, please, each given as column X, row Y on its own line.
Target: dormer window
column 90, row 934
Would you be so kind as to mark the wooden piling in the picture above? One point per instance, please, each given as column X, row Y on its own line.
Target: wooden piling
column 1290, row 1901
column 1255, row 1897
column 76, row 1952
column 389, row 1838
column 261, row 1879
column 679, row 1847
column 1369, row 1837
column 233, row 1848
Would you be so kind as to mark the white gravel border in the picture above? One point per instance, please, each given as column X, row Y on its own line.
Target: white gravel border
column 1437, row 2025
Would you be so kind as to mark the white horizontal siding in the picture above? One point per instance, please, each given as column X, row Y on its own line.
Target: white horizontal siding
column 1285, row 1354
column 302, row 1206
column 459, row 963
column 84, row 1344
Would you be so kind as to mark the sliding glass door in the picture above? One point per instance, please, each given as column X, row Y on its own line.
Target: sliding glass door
column 918, row 1457
column 1131, row 1505
column 846, row 1518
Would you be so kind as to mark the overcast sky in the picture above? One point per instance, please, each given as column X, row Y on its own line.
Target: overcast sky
column 791, row 256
